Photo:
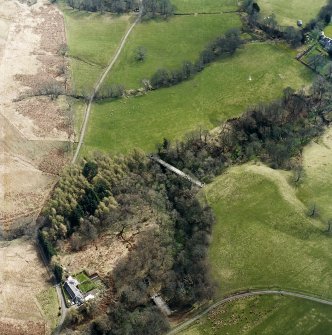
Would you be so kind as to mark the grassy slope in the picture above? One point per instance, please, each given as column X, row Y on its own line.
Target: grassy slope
column 93, row 38
column 288, row 12
column 221, row 91
column 205, row 6
column 316, row 186
column 266, row 315
column 167, row 44
column 263, row 237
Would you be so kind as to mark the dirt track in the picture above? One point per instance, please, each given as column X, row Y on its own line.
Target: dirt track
column 100, row 82
column 32, row 131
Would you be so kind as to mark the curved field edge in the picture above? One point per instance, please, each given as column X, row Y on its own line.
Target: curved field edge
column 263, row 237
column 257, row 73
column 265, row 315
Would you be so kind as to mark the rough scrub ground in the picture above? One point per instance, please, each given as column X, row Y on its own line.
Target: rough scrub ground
column 34, row 134
column 33, row 130
column 23, row 278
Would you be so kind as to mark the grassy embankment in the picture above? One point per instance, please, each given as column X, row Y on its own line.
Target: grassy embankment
column 257, row 73
column 263, row 236
column 266, row 315
column 315, row 187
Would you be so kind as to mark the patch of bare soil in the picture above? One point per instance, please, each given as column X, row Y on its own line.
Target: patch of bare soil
column 22, row 278
column 35, row 131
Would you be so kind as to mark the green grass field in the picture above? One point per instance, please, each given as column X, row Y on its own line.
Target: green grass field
column 328, row 30
column 92, row 41
column 204, row 6
column 316, row 185
column 263, row 236
column 86, row 284
column 266, row 315
column 49, row 303
column 223, row 90
column 167, row 44
column 288, row 12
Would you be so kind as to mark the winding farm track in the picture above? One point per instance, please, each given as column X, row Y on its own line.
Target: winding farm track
column 99, row 83
column 188, row 323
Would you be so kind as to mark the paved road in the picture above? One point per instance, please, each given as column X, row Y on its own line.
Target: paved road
column 99, row 83
column 188, row 323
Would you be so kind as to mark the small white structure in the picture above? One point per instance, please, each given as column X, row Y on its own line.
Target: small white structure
column 299, row 23
column 89, row 297
column 161, row 304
